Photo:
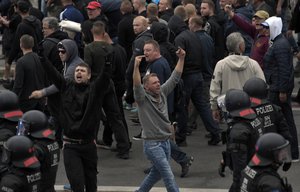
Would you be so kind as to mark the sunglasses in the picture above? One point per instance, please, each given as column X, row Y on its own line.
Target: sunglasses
column 62, row 51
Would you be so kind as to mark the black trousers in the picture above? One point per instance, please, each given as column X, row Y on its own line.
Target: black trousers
column 107, row 132
column 116, row 120
column 81, row 166
column 48, row 180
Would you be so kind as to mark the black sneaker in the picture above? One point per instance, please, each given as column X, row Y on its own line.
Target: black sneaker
column 137, row 137
column 185, row 167
column 147, row 171
column 136, row 120
column 181, row 143
column 123, row 156
column 215, row 140
column 208, row 135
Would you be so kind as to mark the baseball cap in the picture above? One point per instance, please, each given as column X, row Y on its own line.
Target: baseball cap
column 93, row 5
column 261, row 14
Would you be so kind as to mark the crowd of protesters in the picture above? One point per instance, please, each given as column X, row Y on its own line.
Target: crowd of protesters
column 76, row 61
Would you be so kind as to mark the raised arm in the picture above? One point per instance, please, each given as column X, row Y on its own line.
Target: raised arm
column 180, row 63
column 170, row 84
column 240, row 22
column 136, row 71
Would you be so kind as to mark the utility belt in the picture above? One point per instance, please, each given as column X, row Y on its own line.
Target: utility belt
column 76, row 141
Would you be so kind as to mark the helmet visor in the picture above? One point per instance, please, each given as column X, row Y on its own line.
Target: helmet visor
column 23, row 127
column 283, row 155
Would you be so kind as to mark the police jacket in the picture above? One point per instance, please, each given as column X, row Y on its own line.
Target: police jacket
column 272, row 118
column 81, row 104
column 262, row 179
column 48, row 153
column 7, row 130
column 242, row 136
column 21, row 180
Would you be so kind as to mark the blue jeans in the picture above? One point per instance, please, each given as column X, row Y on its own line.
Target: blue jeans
column 158, row 152
column 194, row 87
column 177, row 154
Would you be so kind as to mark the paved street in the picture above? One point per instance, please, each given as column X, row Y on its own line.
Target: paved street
column 203, row 173
column 126, row 175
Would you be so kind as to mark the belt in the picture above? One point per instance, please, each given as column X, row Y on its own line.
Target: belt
column 76, row 141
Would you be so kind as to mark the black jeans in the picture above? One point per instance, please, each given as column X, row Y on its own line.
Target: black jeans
column 81, row 166
column 107, row 132
column 195, row 91
column 116, row 119
column 288, row 114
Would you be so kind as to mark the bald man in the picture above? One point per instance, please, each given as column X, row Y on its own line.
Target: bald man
column 140, row 28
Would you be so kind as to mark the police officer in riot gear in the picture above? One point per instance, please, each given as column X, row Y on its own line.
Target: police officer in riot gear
column 9, row 116
column 271, row 115
column 243, row 130
column 272, row 150
column 23, row 173
column 34, row 124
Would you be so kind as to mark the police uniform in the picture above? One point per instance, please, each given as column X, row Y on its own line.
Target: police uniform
column 272, row 117
column 243, row 131
column 23, row 168
column 9, row 116
column 257, row 179
column 241, row 139
column 272, row 151
column 34, row 124
column 48, row 153
column 21, row 180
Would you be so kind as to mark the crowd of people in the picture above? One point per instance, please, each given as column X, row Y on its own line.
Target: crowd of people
column 79, row 63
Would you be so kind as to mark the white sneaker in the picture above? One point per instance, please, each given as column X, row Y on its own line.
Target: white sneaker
column 295, row 160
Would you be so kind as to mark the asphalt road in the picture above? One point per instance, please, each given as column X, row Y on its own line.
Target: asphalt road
column 126, row 175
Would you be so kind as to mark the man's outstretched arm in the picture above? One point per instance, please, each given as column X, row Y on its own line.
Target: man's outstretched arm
column 136, row 71
column 180, row 63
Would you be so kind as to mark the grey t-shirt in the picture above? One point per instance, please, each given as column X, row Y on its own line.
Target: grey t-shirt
column 153, row 114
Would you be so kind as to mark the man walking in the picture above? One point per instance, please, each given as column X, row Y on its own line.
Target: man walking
column 157, row 130
column 81, row 102
column 99, row 56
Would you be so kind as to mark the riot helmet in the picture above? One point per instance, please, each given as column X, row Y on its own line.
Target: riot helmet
column 35, row 124
column 9, row 106
column 271, row 148
column 238, row 104
column 257, row 89
column 19, row 151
